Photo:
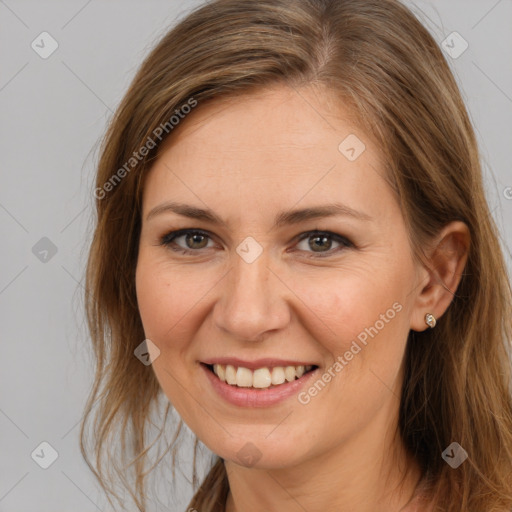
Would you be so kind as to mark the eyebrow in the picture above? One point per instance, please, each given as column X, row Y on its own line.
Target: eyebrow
column 287, row 217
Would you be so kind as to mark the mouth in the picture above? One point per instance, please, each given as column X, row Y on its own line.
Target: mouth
column 264, row 378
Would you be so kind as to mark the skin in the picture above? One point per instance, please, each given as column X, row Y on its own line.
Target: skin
column 247, row 159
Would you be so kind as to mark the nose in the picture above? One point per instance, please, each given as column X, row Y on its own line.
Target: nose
column 253, row 300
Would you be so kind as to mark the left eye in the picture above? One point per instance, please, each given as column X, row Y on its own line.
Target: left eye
column 318, row 242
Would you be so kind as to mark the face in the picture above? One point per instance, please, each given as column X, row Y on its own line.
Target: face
column 256, row 284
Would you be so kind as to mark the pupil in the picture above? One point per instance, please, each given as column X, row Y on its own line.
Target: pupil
column 323, row 240
column 194, row 238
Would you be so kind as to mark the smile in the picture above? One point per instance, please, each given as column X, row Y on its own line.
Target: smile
column 263, row 385
column 259, row 378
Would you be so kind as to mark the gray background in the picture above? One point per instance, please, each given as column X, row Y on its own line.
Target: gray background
column 53, row 113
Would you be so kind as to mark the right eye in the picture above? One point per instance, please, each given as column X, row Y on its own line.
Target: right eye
column 193, row 239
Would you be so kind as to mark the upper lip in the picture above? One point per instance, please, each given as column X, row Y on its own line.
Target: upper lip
column 268, row 362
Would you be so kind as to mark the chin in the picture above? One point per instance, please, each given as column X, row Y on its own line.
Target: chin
column 260, row 453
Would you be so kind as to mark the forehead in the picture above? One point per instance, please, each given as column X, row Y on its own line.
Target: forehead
column 279, row 119
column 275, row 145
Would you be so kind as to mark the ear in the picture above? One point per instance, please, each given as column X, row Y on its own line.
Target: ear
column 447, row 257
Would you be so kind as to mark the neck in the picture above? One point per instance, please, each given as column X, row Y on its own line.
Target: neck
column 372, row 472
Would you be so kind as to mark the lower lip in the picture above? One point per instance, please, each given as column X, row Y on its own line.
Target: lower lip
column 250, row 397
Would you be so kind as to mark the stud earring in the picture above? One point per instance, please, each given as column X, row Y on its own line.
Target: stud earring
column 430, row 320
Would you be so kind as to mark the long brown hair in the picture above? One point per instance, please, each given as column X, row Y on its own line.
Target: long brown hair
column 382, row 63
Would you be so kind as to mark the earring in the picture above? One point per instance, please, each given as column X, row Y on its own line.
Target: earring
column 430, row 320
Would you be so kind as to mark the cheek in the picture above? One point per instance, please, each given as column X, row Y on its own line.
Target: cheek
column 167, row 303
column 165, row 293
column 364, row 329
column 362, row 324
column 156, row 304
column 166, row 299
column 356, row 305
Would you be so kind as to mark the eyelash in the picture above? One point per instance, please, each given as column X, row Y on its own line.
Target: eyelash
column 168, row 241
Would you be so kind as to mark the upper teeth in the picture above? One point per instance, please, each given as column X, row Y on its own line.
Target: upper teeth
column 259, row 378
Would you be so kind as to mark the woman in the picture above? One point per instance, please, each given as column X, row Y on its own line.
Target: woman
column 291, row 216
